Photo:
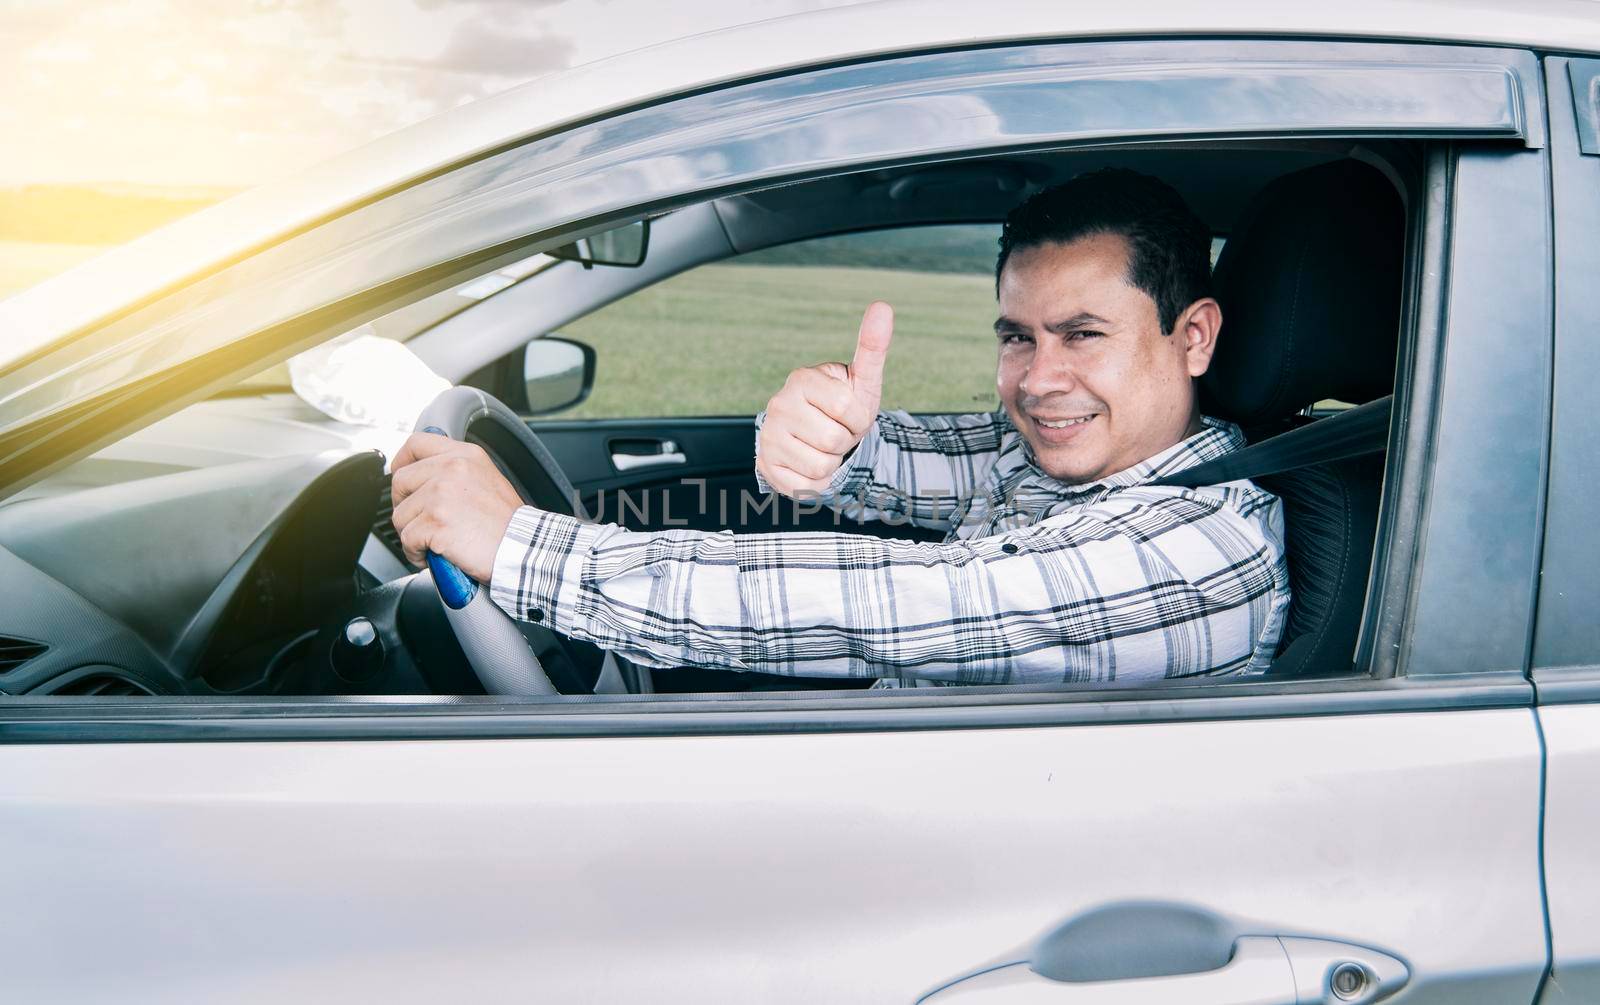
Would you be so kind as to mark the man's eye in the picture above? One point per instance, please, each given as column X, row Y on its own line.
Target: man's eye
column 1014, row 338
column 1085, row 334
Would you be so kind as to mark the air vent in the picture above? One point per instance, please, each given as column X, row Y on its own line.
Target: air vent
column 383, row 526
column 101, row 685
column 14, row 652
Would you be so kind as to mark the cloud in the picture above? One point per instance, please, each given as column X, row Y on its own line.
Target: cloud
column 186, row 92
column 487, row 47
column 192, row 92
column 482, row 46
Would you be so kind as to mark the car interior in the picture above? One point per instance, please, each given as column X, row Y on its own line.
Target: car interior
column 242, row 579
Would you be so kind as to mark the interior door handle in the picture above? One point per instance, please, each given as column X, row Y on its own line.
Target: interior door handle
column 655, row 454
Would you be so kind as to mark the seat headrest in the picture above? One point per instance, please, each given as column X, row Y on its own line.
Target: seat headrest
column 1309, row 282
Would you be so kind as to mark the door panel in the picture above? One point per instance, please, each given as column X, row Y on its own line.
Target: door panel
column 836, row 867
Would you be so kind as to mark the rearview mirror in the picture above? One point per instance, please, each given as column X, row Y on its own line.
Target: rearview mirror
column 558, row 373
column 624, row 246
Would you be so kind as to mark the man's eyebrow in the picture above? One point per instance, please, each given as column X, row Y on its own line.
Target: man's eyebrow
column 1078, row 322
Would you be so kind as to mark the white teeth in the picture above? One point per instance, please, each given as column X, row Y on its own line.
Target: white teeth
column 1065, row 423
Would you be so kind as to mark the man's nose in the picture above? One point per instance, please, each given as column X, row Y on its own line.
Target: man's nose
column 1049, row 371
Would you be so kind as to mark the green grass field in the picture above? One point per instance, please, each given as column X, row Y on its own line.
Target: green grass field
column 719, row 340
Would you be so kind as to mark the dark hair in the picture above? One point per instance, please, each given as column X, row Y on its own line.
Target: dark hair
column 1169, row 248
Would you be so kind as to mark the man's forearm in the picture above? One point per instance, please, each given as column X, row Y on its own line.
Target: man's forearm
column 995, row 610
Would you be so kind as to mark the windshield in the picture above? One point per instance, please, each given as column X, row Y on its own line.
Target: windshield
column 407, row 322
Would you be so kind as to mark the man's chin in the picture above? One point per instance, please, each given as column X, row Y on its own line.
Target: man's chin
column 1072, row 477
column 1071, row 467
column 1068, row 453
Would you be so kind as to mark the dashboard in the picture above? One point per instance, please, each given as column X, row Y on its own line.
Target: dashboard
column 224, row 551
column 209, row 581
column 246, row 578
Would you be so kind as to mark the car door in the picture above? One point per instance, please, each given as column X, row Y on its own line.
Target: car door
column 1247, row 842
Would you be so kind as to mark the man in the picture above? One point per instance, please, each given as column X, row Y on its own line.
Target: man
column 1061, row 562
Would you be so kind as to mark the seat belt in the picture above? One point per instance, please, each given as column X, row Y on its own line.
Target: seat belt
column 1355, row 432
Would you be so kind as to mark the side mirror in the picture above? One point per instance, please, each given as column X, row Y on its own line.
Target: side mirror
column 624, row 246
column 558, row 372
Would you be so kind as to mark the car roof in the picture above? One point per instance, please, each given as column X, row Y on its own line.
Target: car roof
column 105, row 286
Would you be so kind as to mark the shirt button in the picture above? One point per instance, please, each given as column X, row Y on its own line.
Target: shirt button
column 534, row 614
column 1009, row 548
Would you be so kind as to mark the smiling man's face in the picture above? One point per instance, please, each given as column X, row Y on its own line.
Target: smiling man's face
column 1085, row 372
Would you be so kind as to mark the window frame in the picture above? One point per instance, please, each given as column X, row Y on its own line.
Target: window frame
column 1428, row 614
column 1565, row 664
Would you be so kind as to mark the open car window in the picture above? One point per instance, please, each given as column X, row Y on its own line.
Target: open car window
column 447, row 240
column 719, row 339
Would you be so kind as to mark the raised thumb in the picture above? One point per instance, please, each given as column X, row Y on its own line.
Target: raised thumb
column 872, row 348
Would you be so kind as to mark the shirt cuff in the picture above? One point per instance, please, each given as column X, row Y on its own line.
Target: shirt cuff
column 761, row 483
column 539, row 566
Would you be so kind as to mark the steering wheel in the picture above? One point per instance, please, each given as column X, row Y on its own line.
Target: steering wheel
column 495, row 647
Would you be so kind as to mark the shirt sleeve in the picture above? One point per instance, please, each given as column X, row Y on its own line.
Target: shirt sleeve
column 913, row 469
column 1141, row 588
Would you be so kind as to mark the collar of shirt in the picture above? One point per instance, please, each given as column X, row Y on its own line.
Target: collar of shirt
column 1019, row 492
column 1216, row 438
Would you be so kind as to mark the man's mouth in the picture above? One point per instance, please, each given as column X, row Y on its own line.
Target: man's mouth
column 1060, row 430
column 1062, row 423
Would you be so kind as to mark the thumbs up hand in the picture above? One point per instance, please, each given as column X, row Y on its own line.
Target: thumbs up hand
column 823, row 411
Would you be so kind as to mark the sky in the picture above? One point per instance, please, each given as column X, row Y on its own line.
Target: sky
column 233, row 93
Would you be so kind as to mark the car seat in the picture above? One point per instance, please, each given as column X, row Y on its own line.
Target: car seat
column 1310, row 284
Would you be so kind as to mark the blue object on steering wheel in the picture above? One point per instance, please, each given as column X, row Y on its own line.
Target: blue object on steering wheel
column 456, row 588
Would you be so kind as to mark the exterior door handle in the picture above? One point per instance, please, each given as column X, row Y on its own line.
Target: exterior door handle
column 1258, row 974
column 661, row 452
column 1152, row 953
column 1264, row 970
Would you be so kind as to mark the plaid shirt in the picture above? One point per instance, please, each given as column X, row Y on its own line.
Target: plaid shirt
column 1037, row 581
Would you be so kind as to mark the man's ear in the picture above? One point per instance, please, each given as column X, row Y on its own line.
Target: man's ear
column 1198, row 326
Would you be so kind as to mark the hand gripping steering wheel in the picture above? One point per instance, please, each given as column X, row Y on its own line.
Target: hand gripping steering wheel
column 495, row 647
